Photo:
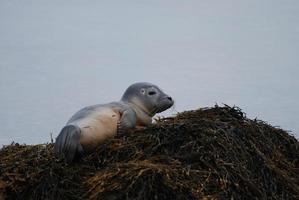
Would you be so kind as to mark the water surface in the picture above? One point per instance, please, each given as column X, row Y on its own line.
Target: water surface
column 57, row 57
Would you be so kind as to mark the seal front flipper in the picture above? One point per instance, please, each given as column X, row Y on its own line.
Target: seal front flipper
column 67, row 143
column 127, row 121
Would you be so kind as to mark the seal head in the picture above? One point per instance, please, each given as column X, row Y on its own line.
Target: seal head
column 147, row 97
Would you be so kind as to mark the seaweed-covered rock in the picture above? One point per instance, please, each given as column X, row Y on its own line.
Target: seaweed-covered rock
column 211, row 153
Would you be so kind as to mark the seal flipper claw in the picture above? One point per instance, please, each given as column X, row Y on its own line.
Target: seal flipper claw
column 120, row 130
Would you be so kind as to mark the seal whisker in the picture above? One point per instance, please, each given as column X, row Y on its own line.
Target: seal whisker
column 154, row 110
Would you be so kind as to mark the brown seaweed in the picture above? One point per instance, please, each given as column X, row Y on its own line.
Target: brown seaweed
column 210, row 153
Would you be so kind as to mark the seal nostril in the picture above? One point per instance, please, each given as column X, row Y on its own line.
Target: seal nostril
column 169, row 98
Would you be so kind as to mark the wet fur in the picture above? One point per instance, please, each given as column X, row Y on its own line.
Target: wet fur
column 93, row 125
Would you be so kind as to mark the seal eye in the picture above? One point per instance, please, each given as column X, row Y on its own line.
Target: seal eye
column 152, row 93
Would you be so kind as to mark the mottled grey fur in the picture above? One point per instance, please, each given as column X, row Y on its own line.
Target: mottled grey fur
column 140, row 102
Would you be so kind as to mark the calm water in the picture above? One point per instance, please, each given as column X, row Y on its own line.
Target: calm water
column 57, row 57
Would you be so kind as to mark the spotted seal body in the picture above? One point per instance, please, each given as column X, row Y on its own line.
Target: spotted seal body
column 93, row 125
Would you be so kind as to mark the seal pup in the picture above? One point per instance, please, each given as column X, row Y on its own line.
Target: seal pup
column 93, row 125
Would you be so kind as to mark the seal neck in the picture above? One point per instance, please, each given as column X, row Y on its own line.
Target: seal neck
column 143, row 116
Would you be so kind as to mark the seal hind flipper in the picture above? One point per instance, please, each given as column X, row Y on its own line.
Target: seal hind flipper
column 67, row 143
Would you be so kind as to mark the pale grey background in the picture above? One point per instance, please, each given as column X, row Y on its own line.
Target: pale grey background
column 59, row 56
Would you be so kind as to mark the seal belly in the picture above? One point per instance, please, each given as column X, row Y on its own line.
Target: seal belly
column 97, row 127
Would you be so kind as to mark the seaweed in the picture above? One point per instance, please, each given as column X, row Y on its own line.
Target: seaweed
column 209, row 153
